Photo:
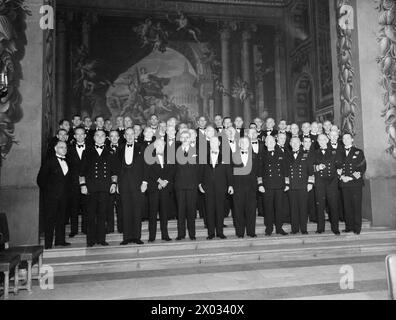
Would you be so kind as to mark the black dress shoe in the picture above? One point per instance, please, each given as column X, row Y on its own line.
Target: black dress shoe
column 166, row 239
column 64, row 244
column 138, row 241
column 318, row 232
column 253, row 236
column 337, row 233
column 240, row 237
column 179, row 238
column 48, row 247
column 347, row 231
column 222, row 236
column 356, row 232
column 72, row 235
column 294, row 233
column 151, row 240
column 90, row 245
column 125, row 242
column 105, row 244
column 268, row 234
column 193, row 238
column 304, row 232
column 282, row 233
column 210, row 238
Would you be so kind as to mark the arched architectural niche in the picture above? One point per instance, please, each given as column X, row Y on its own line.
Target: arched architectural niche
column 303, row 103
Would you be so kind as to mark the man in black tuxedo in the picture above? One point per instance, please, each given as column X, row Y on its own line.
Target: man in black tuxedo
column 314, row 135
column 273, row 187
column 186, row 186
column 218, row 122
column 246, row 178
column 352, row 173
column 77, row 200
column 326, row 163
column 54, row 181
column 238, row 123
column 98, row 179
column 131, row 158
column 114, row 142
column 257, row 149
column 87, row 123
column 307, row 149
column 159, row 179
column 215, row 184
column 170, row 152
column 300, row 180
column 259, row 125
column 270, row 131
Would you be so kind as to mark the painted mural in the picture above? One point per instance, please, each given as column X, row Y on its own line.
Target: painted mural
column 163, row 83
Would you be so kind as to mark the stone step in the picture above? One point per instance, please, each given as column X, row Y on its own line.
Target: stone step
column 201, row 231
column 80, row 249
column 227, row 254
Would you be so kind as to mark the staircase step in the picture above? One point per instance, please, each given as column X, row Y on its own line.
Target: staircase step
column 229, row 253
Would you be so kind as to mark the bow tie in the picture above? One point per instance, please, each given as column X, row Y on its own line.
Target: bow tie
column 334, row 144
column 323, row 149
column 129, row 145
column 114, row 145
column 295, row 152
column 348, row 149
column 219, row 127
column 99, row 147
column 244, row 152
column 80, row 145
column 231, row 141
column 61, row 159
column 255, row 142
column 215, row 152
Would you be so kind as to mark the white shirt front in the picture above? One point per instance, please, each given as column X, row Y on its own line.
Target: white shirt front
column 63, row 164
column 161, row 160
column 245, row 158
column 213, row 158
column 233, row 146
column 128, row 155
column 255, row 146
column 80, row 150
column 99, row 150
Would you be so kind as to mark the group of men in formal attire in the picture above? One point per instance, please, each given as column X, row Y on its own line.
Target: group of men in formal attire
column 167, row 170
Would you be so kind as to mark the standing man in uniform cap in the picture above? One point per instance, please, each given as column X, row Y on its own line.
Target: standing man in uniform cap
column 98, row 179
column 352, row 172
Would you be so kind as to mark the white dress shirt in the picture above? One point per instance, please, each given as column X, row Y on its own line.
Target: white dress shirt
column 213, row 158
column 63, row 164
column 161, row 160
column 255, row 146
column 128, row 154
column 245, row 158
column 99, row 150
column 233, row 146
column 80, row 150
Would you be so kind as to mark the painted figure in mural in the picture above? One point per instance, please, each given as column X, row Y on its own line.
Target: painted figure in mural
column 150, row 84
column 10, row 98
column 153, row 35
column 184, row 26
column 241, row 90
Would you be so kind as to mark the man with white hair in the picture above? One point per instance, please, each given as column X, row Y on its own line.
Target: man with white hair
column 186, row 186
column 326, row 163
column 215, row 183
column 246, row 177
column 270, row 131
column 273, row 187
column 238, row 123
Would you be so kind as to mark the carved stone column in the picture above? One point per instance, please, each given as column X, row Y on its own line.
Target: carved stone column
column 225, row 67
column 236, row 70
column 86, row 33
column 280, row 77
column 61, row 48
column 246, row 72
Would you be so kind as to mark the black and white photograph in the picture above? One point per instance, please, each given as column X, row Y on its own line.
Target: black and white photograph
column 197, row 154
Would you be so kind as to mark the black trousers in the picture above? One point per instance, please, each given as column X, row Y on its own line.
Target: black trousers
column 78, row 205
column 133, row 202
column 298, row 210
column 96, row 217
column 273, row 210
column 245, row 211
column 312, row 206
column 114, row 205
column 260, row 203
column 158, row 203
column 186, row 207
column 327, row 190
column 172, row 205
column 54, row 210
column 352, row 197
column 286, row 208
column 201, row 207
column 214, row 203
column 341, row 213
